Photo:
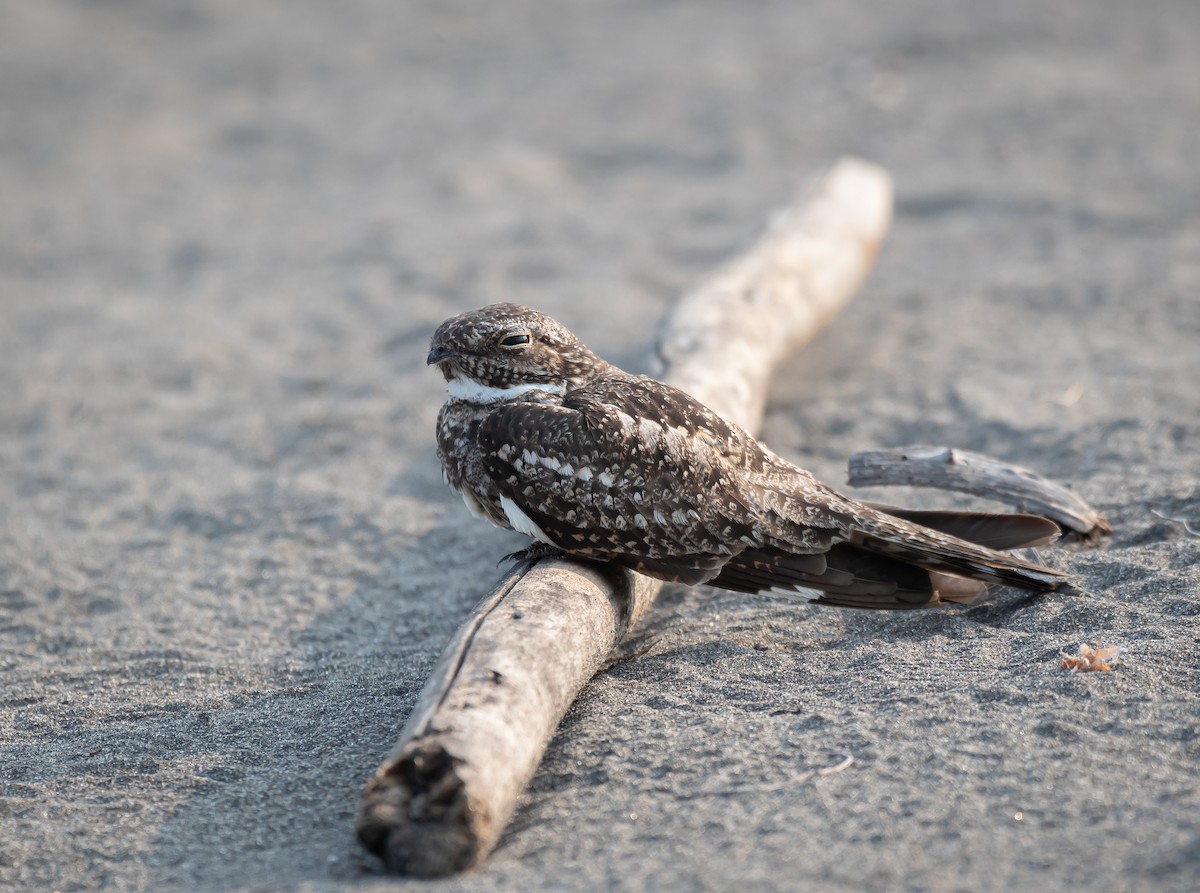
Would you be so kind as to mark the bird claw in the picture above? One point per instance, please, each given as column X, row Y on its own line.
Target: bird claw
column 531, row 553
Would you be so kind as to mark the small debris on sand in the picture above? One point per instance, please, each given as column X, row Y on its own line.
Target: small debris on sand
column 1091, row 659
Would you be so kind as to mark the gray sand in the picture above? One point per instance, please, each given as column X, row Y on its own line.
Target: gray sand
column 227, row 560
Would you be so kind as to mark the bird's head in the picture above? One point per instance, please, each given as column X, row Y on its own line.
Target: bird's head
column 505, row 350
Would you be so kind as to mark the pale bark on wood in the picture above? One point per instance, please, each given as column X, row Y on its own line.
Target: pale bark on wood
column 482, row 722
column 946, row 468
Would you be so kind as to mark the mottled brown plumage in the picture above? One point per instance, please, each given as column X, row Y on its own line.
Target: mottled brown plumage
column 542, row 436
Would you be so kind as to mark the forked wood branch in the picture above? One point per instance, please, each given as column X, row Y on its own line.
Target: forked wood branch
column 439, row 803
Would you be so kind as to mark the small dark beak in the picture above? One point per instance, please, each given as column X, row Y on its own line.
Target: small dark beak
column 439, row 352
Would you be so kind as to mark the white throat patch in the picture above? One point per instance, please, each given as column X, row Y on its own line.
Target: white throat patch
column 472, row 391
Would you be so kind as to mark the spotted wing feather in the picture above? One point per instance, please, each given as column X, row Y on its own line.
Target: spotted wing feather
column 633, row 471
column 629, row 471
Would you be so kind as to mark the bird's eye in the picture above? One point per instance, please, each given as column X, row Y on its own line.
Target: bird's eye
column 519, row 340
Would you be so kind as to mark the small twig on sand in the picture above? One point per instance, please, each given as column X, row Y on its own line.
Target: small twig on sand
column 1188, row 528
column 946, row 468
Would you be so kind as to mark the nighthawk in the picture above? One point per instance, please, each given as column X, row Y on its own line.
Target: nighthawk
column 542, row 436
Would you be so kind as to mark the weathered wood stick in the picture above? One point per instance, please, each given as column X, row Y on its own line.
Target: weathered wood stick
column 949, row 469
column 722, row 342
column 479, row 729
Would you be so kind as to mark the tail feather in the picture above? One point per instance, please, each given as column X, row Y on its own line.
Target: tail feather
column 905, row 559
column 992, row 529
column 936, row 551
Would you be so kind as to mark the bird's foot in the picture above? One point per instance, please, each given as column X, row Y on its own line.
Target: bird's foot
column 532, row 553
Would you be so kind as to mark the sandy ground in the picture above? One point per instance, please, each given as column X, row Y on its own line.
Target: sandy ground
column 227, row 560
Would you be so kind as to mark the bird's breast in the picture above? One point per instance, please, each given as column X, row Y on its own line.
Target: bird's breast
column 462, row 462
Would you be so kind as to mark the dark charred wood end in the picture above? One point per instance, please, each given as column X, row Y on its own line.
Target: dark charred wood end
column 415, row 814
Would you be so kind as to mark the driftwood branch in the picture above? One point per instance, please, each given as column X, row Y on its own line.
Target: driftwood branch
column 479, row 729
column 722, row 342
column 949, row 469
